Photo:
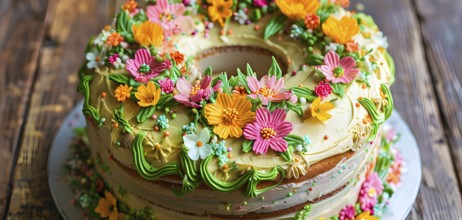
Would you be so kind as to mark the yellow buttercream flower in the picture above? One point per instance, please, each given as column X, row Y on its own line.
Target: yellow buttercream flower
column 341, row 31
column 219, row 10
column 122, row 92
column 229, row 114
column 107, row 207
column 366, row 216
column 298, row 9
column 148, row 34
column 320, row 110
column 148, row 96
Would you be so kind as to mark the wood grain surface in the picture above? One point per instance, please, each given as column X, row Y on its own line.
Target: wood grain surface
column 424, row 39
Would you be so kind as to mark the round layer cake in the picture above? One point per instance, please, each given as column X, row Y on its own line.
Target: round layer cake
column 225, row 109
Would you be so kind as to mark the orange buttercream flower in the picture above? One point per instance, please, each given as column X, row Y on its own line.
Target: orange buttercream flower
column 148, row 95
column 122, row 93
column 341, row 31
column 298, row 9
column 107, row 207
column 130, row 5
column 114, row 39
column 177, row 56
column 229, row 114
column 220, row 10
column 148, row 34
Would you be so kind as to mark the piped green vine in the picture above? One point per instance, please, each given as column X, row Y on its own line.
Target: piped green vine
column 84, row 88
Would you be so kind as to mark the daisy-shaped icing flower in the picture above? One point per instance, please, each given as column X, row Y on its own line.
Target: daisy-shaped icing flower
column 190, row 95
column 268, row 89
column 321, row 110
column 197, row 145
column 170, row 17
column 144, row 66
column 338, row 70
column 268, row 131
column 148, row 95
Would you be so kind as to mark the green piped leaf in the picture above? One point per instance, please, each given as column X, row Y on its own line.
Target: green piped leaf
column 304, row 92
column 208, row 71
column 120, row 119
column 250, row 71
column 338, row 89
column 295, row 108
column 145, row 113
column 243, row 80
column 84, row 88
column 315, row 59
column 247, row 146
column 124, row 26
column 388, row 109
column 275, row 70
column 119, row 78
column 166, row 101
column 287, row 155
column 294, row 140
column 274, row 26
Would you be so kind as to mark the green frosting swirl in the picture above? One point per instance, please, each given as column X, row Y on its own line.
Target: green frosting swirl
column 84, row 88
column 388, row 109
column 377, row 118
column 252, row 177
column 391, row 64
column 119, row 117
column 146, row 170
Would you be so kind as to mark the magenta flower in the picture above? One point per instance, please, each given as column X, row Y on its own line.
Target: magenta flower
column 347, row 213
column 338, row 71
column 192, row 95
column 144, row 66
column 268, row 131
column 323, row 90
column 166, row 85
column 268, row 89
column 260, row 3
column 371, row 189
column 170, row 17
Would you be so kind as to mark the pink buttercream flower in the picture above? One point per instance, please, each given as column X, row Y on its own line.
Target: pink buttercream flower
column 144, row 66
column 190, row 95
column 260, row 3
column 338, row 71
column 323, row 90
column 371, row 189
column 170, row 17
column 347, row 213
column 268, row 131
column 166, row 85
column 113, row 58
column 268, row 89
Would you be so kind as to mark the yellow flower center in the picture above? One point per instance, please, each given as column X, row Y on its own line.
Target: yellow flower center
column 230, row 115
column 167, row 17
column 267, row 133
column 195, row 89
column 339, row 71
column 371, row 192
column 199, row 144
column 265, row 91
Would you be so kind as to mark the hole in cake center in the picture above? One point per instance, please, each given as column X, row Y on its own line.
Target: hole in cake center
column 229, row 58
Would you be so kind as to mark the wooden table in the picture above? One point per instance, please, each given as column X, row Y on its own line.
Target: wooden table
column 41, row 48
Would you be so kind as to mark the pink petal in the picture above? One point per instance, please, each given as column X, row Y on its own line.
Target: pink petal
column 263, row 116
column 278, row 144
column 252, row 82
column 283, row 129
column 143, row 56
column 251, row 132
column 264, row 81
column 280, row 96
column 162, row 4
column 332, row 78
column 271, row 82
column 260, row 146
column 326, row 70
column 349, row 76
column 278, row 85
column 182, row 98
column 264, row 100
column 184, row 86
column 348, row 63
column 206, row 82
column 132, row 68
column 158, row 67
column 332, row 59
column 277, row 116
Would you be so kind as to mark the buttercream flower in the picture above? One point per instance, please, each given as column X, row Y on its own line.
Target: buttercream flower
column 347, row 213
column 260, row 3
column 107, row 207
column 114, row 39
column 351, row 46
column 229, row 114
column 323, row 90
column 268, row 131
column 298, row 9
column 370, row 191
column 94, row 60
column 148, row 34
column 177, row 56
column 312, row 21
column 131, row 6
column 241, row 17
column 268, row 89
column 341, row 31
column 366, row 216
column 148, row 95
column 160, row 151
column 122, row 92
column 198, row 145
column 296, row 169
column 166, row 85
column 321, row 110
column 169, row 16
column 190, row 95
column 343, row 3
column 144, row 66
column 219, row 10
column 338, row 71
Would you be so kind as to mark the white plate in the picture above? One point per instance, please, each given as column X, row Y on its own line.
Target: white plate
column 400, row 204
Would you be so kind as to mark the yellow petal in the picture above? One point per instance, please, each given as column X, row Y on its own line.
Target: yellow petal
column 222, row 131
column 224, row 101
column 323, row 116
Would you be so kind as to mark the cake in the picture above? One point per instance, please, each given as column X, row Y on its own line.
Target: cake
column 251, row 109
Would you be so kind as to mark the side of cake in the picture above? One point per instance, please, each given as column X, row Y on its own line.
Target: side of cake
column 197, row 116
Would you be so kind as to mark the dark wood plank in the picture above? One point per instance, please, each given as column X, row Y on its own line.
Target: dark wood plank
column 439, row 196
column 442, row 31
column 72, row 23
column 21, row 28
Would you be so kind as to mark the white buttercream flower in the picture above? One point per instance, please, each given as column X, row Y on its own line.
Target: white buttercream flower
column 241, row 17
column 197, row 145
column 102, row 37
column 331, row 46
column 94, row 60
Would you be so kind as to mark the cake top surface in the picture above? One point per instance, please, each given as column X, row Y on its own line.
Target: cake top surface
column 162, row 83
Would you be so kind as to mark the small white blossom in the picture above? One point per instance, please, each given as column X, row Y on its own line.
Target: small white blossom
column 197, row 145
column 241, row 17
